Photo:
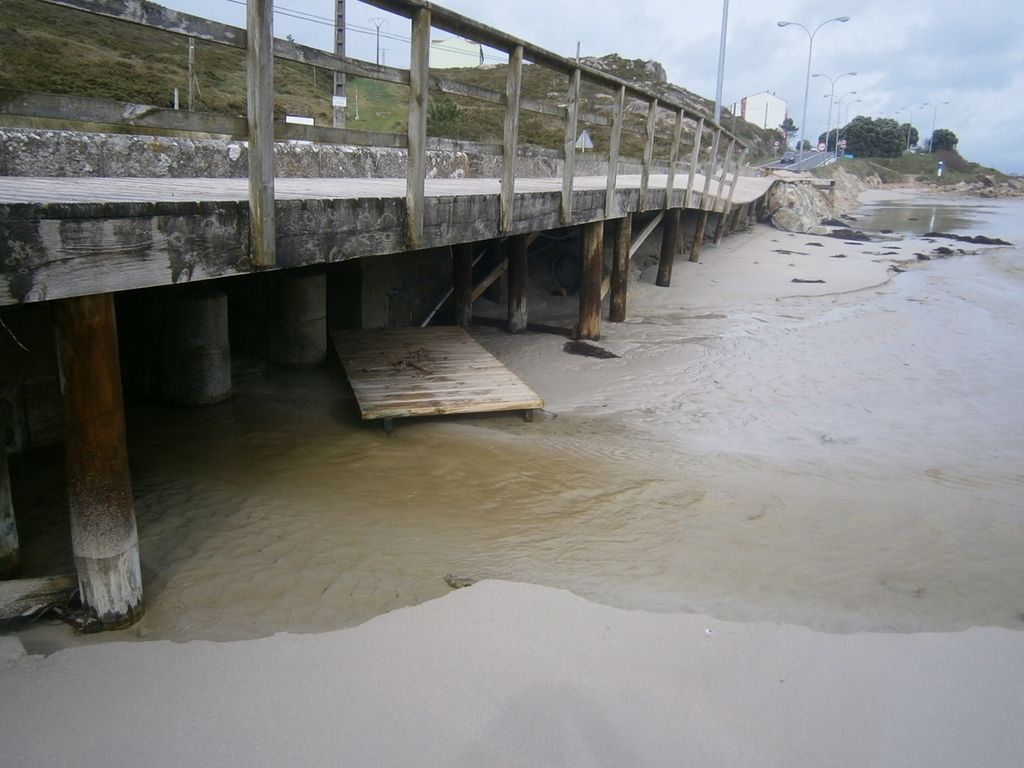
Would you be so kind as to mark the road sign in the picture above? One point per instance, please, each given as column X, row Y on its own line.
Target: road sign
column 842, row 143
column 821, row 147
column 776, row 145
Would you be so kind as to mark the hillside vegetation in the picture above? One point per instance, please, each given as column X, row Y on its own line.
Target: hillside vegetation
column 49, row 49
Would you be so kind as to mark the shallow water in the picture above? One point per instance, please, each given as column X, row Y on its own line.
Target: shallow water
column 852, row 462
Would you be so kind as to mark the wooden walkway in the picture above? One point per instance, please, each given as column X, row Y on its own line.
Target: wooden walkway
column 403, row 372
column 79, row 236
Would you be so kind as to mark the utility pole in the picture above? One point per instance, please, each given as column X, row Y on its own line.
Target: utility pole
column 378, row 22
column 338, row 101
column 191, row 69
column 721, row 63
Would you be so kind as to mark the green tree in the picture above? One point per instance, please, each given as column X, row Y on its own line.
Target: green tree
column 943, row 138
column 789, row 128
column 870, row 137
column 910, row 135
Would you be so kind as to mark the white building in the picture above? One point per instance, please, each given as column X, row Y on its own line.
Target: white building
column 455, row 52
column 765, row 109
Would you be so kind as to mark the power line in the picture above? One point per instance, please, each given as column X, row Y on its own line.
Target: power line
column 324, row 21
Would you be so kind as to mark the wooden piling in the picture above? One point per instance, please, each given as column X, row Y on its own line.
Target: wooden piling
column 620, row 270
column 589, row 326
column 517, row 283
column 419, row 79
column 260, row 104
column 669, row 245
column 103, row 533
column 9, row 549
column 698, row 235
column 462, row 283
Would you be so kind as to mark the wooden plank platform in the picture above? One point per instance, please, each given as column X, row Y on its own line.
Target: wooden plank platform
column 427, row 372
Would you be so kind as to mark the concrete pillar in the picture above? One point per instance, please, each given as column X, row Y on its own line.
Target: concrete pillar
column 9, row 550
column 462, row 283
column 297, row 334
column 103, row 534
column 195, row 365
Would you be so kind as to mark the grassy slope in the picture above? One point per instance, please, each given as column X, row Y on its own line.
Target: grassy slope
column 55, row 50
column 920, row 167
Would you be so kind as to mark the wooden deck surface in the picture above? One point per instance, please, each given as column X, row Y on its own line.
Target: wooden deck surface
column 403, row 372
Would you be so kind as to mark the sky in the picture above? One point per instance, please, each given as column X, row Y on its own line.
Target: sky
column 958, row 64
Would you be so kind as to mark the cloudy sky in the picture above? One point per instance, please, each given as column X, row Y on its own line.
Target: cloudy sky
column 906, row 54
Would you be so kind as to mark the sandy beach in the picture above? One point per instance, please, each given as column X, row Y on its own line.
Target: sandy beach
column 829, row 469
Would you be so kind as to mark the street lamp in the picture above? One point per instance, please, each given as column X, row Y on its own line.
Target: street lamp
column 832, row 95
column 935, row 113
column 844, row 121
column 810, row 49
column 910, row 122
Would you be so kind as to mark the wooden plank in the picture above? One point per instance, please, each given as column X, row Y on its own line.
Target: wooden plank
column 645, row 174
column 673, row 158
column 440, row 144
column 705, row 199
column 328, row 135
column 488, row 281
column 571, row 113
column 613, row 154
column 260, row 104
column 698, row 135
column 24, row 598
column 511, row 136
column 620, row 270
column 419, row 80
column 592, row 266
column 427, row 371
column 518, row 283
column 719, row 197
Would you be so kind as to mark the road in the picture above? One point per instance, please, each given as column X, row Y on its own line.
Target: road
column 805, row 163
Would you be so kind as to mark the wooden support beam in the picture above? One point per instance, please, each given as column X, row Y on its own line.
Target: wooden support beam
column 488, row 281
column 645, row 171
column 10, row 553
column 24, row 598
column 620, row 270
column 419, row 80
column 727, row 206
column 591, row 268
column 513, row 87
column 613, row 154
column 103, row 534
column 669, row 246
column 719, row 201
column 698, row 135
column 645, row 233
column 571, row 124
column 698, row 236
column 673, row 159
column 260, row 105
column 518, row 282
column 462, row 283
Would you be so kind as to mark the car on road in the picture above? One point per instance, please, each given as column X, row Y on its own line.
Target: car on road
column 788, row 158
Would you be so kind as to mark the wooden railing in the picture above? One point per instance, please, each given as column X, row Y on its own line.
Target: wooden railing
column 261, row 130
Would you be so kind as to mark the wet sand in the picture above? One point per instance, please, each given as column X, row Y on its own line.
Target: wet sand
column 843, row 456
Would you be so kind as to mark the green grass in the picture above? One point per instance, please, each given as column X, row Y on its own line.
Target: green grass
column 49, row 49
column 918, row 167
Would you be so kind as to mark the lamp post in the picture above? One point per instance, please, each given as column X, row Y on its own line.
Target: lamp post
column 832, row 95
column 910, row 122
column 843, row 120
column 935, row 114
column 810, row 49
column 721, row 62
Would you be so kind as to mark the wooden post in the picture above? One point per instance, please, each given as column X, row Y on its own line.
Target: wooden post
column 103, row 533
column 669, row 245
column 260, row 103
column 510, row 144
column 620, row 270
column 698, row 135
column 591, row 269
column 517, row 283
column 613, row 155
column 727, row 204
column 462, row 283
column 705, row 202
column 571, row 123
column 698, row 236
column 419, row 78
column 10, row 553
column 673, row 158
column 645, row 173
